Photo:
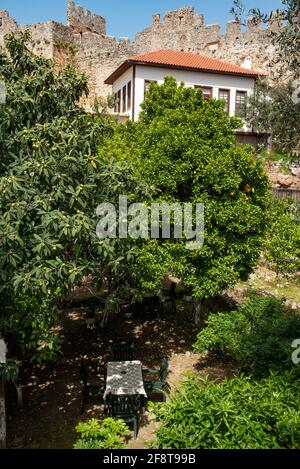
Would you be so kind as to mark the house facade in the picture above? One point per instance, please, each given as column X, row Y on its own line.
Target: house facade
column 217, row 80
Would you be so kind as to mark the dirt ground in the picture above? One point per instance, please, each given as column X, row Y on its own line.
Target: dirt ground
column 52, row 392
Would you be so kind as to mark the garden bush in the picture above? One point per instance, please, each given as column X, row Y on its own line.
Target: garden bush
column 109, row 434
column 258, row 336
column 282, row 246
column 234, row 414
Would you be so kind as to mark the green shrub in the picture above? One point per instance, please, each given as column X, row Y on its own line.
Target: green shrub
column 282, row 246
column 257, row 336
column 109, row 434
column 234, row 414
column 9, row 371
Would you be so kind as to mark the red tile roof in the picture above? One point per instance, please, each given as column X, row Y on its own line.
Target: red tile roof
column 183, row 61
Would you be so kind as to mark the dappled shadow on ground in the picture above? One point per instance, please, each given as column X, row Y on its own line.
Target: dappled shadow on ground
column 215, row 366
column 52, row 392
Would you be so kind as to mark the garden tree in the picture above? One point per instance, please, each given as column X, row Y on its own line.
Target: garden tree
column 51, row 181
column 185, row 149
column 273, row 110
column 286, row 39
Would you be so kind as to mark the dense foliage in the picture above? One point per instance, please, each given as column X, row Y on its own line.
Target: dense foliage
column 287, row 39
column 257, row 336
column 276, row 108
column 184, row 148
column 273, row 110
column 235, row 414
column 51, row 181
column 282, row 245
column 109, row 434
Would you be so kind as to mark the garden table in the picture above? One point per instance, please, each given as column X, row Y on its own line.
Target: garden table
column 125, row 378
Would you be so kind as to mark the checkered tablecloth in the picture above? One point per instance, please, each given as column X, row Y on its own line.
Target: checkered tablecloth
column 125, row 378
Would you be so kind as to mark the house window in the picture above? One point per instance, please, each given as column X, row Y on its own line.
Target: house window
column 118, row 102
column 124, row 95
column 240, row 102
column 147, row 85
column 224, row 95
column 1, row 22
column 129, row 95
column 206, row 91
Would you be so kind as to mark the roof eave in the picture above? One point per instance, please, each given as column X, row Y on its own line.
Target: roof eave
column 117, row 73
column 124, row 67
column 193, row 69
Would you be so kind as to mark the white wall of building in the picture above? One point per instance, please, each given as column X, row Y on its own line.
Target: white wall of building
column 121, row 82
column 213, row 80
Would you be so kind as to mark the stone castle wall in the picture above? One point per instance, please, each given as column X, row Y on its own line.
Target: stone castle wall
column 7, row 24
column 84, row 41
column 80, row 19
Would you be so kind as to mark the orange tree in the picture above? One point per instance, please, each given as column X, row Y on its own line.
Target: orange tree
column 184, row 148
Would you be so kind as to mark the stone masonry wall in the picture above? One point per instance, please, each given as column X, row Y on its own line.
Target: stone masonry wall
column 7, row 25
column 84, row 41
column 80, row 19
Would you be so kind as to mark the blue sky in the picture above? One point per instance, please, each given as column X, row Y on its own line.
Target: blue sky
column 125, row 17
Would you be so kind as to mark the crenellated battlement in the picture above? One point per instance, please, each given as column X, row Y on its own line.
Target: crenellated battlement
column 84, row 40
column 7, row 25
column 4, row 14
column 179, row 17
column 80, row 19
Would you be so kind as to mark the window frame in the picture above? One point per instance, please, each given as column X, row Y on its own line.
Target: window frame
column 206, row 96
column 228, row 91
column 124, row 99
column 118, row 103
column 237, row 93
column 129, row 95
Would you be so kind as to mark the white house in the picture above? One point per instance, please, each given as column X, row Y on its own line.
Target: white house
column 217, row 79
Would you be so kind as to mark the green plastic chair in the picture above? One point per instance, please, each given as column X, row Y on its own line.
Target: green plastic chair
column 161, row 385
column 125, row 407
column 123, row 351
column 90, row 391
column 168, row 296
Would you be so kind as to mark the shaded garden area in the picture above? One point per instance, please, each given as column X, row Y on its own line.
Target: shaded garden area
column 57, row 164
column 52, row 392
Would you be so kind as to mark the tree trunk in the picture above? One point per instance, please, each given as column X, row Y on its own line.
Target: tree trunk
column 2, row 416
column 270, row 144
column 198, row 306
column 19, row 392
column 201, row 311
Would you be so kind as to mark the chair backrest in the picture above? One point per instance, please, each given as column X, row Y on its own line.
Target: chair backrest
column 151, row 304
column 173, row 289
column 84, row 373
column 123, row 351
column 123, row 406
column 164, row 368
